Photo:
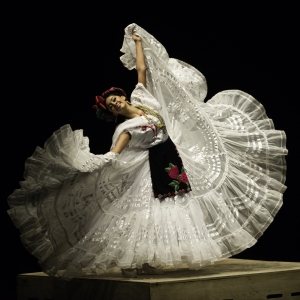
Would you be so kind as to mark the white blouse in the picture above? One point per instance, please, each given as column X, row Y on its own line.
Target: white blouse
column 144, row 133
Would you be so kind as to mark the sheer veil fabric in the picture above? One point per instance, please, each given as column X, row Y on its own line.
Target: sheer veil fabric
column 82, row 212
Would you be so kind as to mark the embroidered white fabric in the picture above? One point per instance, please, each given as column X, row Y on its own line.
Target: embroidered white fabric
column 78, row 210
column 143, row 133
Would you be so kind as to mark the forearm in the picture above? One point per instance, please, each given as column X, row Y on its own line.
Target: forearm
column 140, row 58
column 122, row 142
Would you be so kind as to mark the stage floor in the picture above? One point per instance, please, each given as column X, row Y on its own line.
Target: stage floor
column 230, row 279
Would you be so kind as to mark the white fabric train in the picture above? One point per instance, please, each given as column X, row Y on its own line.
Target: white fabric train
column 78, row 210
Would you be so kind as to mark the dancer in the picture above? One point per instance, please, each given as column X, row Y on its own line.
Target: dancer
column 185, row 181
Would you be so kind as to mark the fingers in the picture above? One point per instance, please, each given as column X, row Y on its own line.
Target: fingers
column 136, row 37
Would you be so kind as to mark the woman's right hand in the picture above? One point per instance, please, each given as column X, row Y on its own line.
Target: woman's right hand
column 136, row 38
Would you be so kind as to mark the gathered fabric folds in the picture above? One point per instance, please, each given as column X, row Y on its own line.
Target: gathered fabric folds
column 81, row 212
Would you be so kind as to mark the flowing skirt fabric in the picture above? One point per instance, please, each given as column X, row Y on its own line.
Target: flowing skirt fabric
column 77, row 210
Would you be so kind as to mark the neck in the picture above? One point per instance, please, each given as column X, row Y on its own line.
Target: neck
column 131, row 112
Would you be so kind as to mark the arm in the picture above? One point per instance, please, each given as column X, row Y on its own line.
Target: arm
column 122, row 142
column 140, row 60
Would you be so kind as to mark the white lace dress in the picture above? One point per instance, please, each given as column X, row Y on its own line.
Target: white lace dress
column 77, row 210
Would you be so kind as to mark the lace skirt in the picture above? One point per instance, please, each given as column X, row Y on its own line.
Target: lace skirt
column 108, row 216
column 76, row 210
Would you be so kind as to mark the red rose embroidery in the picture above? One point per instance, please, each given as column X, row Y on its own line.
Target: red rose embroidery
column 183, row 178
column 174, row 172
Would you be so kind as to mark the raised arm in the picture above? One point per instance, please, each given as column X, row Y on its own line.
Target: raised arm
column 140, row 60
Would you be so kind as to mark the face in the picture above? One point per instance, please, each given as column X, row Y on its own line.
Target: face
column 115, row 104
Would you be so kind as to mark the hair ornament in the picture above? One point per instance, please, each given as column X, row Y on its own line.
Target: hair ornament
column 112, row 90
column 100, row 102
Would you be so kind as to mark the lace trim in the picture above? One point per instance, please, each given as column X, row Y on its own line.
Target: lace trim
column 95, row 161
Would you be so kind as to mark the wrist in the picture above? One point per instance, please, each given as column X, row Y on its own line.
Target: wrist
column 111, row 155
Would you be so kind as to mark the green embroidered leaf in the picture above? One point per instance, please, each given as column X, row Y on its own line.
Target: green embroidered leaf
column 182, row 169
column 176, row 187
column 176, row 182
column 171, row 165
column 172, row 184
column 167, row 169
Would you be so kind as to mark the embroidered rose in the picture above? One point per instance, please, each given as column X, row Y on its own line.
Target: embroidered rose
column 183, row 178
column 173, row 171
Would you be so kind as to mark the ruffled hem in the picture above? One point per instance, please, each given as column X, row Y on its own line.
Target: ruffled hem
column 130, row 241
column 64, row 153
column 248, row 134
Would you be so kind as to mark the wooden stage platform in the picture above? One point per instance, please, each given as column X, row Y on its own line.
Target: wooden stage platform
column 230, row 279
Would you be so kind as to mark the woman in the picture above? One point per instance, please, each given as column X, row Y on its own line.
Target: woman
column 136, row 206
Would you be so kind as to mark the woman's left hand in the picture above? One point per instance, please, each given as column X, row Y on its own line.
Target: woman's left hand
column 136, row 37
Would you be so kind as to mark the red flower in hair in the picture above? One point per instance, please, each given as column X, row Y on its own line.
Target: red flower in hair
column 100, row 102
column 113, row 89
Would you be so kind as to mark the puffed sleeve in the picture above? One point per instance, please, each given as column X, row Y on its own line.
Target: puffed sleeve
column 141, row 96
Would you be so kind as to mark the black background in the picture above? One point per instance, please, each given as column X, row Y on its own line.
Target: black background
column 57, row 58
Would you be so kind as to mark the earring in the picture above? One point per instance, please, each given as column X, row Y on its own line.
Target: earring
column 128, row 102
